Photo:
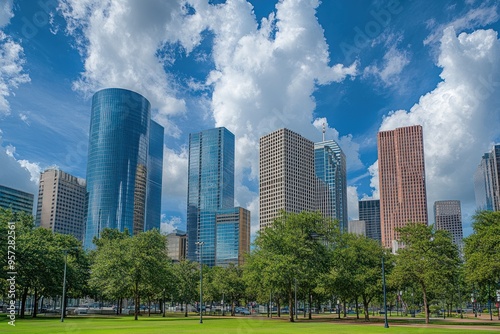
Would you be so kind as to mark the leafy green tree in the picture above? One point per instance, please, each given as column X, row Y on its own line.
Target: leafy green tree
column 295, row 246
column 231, row 283
column 187, row 278
column 482, row 251
column 428, row 259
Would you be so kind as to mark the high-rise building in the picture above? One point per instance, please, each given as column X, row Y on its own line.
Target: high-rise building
column 487, row 181
column 176, row 245
column 357, row 227
column 233, row 236
column 62, row 203
column 155, row 170
column 287, row 180
column 403, row 197
column 369, row 212
column 210, row 188
column 16, row 200
column 448, row 217
column 119, row 160
column 330, row 167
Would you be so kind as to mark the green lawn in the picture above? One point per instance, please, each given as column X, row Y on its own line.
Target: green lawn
column 250, row 325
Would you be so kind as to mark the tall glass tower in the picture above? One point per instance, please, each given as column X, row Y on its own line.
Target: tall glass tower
column 487, row 181
column 210, row 188
column 330, row 167
column 155, row 169
column 118, row 163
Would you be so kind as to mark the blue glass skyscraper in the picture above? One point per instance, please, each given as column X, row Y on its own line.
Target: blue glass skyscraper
column 155, row 169
column 118, row 163
column 330, row 167
column 210, row 188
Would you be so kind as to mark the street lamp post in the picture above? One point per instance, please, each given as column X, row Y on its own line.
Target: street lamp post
column 386, row 324
column 200, row 244
column 63, row 304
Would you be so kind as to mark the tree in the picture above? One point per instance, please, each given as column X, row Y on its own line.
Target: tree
column 187, row 277
column 137, row 264
column 482, row 251
column 295, row 246
column 428, row 259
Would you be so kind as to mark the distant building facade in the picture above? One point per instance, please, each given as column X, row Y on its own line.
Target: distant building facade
column 487, row 181
column 330, row 167
column 16, row 200
column 357, row 227
column 176, row 245
column 369, row 212
column 286, row 175
column 233, row 236
column 123, row 164
column 212, row 218
column 62, row 205
column 448, row 217
column 403, row 197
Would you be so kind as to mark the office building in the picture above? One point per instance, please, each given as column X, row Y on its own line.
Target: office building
column 403, row 197
column 448, row 217
column 16, row 200
column 61, row 203
column 369, row 212
column 287, row 180
column 119, row 159
column 357, row 227
column 232, row 236
column 210, row 189
column 330, row 167
column 487, row 181
column 176, row 245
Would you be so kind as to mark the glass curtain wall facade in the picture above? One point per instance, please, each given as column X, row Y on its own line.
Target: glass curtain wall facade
column 233, row 236
column 369, row 211
column 330, row 167
column 487, row 181
column 16, row 200
column 117, row 162
column 210, row 188
column 155, row 170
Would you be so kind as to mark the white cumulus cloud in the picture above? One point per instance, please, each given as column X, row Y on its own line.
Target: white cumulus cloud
column 460, row 116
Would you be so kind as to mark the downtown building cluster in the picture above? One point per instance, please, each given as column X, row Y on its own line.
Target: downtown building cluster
column 123, row 185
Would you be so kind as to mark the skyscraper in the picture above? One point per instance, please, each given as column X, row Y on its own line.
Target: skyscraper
column 155, row 170
column 487, row 181
column 210, row 188
column 233, row 236
column 369, row 212
column 448, row 217
column 403, row 197
column 330, row 167
column 118, row 163
column 287, row 180
column 62, row 203
column 16, row 200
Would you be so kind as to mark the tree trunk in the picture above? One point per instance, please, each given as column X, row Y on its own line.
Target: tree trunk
column 23, row 302
column 35, row 302
column 136, row 300
column 185, row 309
column 357, row 308
column 279, row 308
column 149, row 306
column 310, row 306
column 233, row 311
column 365, row 307
column 291, row 305
column 425, row 304
column 345, row 309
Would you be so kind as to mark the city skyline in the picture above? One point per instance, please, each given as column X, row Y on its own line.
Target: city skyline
column 242, row 65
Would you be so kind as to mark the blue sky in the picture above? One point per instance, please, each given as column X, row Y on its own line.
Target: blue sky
column 255, row 66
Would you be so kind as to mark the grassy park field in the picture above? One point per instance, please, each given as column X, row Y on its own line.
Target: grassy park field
column 250, row 325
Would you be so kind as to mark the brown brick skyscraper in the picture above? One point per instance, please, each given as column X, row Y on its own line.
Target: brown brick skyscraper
column 401, row 168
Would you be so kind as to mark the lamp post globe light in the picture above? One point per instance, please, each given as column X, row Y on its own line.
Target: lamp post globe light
column 200, row 245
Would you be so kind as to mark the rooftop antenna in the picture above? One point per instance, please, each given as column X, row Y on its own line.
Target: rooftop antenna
column 324, row 130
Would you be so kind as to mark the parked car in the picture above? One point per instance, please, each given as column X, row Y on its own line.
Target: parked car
column 244, row 311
